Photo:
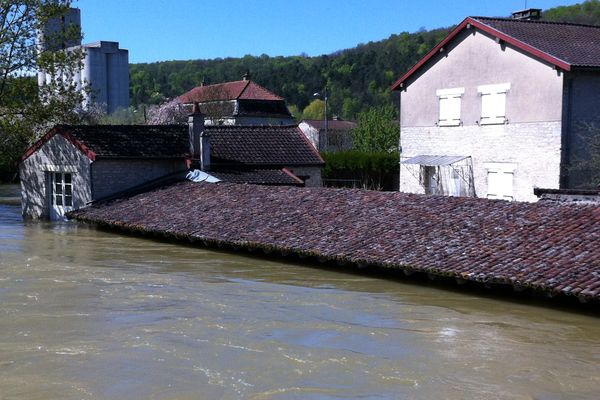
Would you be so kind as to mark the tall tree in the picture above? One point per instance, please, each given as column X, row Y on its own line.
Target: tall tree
column 377, row 130
column 26, row 110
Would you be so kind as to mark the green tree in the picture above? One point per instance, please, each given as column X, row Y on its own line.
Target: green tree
column 315, row 110
column 377, row 130
column 26, row 110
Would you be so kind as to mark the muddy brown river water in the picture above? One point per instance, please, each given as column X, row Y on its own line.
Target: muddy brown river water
column 86, row 314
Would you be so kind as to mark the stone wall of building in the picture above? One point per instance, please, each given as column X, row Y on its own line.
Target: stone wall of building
column 57, row 155
column 112, row 176
column 532, row 148
column 310, row 175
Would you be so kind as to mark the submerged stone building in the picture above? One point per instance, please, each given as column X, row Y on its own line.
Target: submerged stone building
column 72, row 166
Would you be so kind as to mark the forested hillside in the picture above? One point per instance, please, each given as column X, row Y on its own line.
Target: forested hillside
column 356, row 78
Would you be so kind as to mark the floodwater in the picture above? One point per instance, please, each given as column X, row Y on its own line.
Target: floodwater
column 86, row 314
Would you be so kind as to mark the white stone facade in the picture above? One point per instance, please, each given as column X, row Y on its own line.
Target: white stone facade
column 56, row 155
column 532, row 149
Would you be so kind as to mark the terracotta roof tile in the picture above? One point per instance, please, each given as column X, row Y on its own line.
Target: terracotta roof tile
column 258, row 176
column 238, row 90
column 577, row 45
column 261, row 145
column 547, row 247
column 132, row 141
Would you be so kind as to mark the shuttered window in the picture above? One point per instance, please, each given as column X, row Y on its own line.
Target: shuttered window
column 493, row 103
column 450, row 102
column 500, row 181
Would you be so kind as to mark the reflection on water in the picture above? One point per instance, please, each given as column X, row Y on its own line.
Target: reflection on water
column 86, row 314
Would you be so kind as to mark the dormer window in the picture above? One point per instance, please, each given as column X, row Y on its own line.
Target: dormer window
column 493, row 103
column 449, row 106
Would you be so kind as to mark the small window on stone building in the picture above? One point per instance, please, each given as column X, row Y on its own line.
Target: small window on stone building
column 62, row 189
column 449, row 100
column 500, row 181
column 493, row 103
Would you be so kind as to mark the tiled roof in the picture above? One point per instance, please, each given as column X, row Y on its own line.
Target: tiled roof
column 131, row 141
column 547, row 247
column 261, row 146
column 231, row 145
column 258, row 176
column 564, row 45
column 334, row 125
column 238, row 90
column 577, row 45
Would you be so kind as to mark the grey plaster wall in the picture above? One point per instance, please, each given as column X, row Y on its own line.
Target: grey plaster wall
column 57, row 155
column 476, row 59
column 531, row 136
column 534, row 148
column 111, row 176
column 313, row 174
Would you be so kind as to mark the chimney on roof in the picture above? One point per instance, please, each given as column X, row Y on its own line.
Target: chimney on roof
column 203, row 83
column 530, row 14
column 246, row 76
column 199, row 139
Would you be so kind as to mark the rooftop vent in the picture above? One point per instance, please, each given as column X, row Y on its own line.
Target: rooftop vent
column 530, row 14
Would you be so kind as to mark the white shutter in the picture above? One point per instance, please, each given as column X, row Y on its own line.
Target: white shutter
column 493, row 103
column 506, row 185
column 500, row 181
column 493, row 185
column 449, row 101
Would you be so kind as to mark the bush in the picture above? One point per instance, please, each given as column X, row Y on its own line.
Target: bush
column 376, row 171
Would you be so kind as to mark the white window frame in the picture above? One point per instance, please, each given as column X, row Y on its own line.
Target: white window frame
column 493, row 103
column 62, row 190
column 503, row 174
column 449, row 103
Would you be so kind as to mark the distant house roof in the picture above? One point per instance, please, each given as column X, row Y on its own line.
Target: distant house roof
column 334, row 124
column 231, row 145
column 261, row 145
column 563, row 45
column 238, row 90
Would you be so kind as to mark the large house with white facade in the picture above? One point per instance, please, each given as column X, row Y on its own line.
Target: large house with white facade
column 500, row 107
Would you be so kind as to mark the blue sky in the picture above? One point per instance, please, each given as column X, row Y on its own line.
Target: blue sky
column 158, row 30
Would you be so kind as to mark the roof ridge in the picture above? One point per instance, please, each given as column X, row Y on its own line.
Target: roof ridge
column 535, row 21
column 244, row 89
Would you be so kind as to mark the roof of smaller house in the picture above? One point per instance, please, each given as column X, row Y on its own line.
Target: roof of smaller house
column 561, row 44
column 237, row 90
column 258, row 176
column 231, row 145
column 261, row 145
column 127, row 141
column 334, row 125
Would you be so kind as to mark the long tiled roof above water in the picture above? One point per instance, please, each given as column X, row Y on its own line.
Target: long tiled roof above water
column 547, row 247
